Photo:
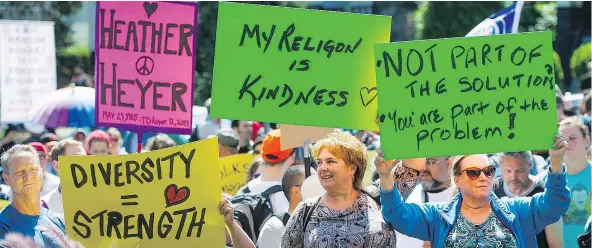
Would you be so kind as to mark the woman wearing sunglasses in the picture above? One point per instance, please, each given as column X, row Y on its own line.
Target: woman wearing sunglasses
column 475, row 217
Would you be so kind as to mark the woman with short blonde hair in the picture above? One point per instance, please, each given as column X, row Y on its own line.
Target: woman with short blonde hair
column 344, row 216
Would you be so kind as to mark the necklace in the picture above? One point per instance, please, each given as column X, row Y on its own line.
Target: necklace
column 464, row 204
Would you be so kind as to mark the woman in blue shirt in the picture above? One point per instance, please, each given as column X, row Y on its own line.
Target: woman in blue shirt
column 475, row 217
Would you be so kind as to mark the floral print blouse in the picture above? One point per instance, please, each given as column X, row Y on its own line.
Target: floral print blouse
column 359, row 226
column 490, row 234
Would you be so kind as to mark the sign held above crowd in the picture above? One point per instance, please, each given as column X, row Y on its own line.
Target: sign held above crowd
column 466, row 95
column 145, row 65
column 281, row 65
column 27, row 67
column 165, row 198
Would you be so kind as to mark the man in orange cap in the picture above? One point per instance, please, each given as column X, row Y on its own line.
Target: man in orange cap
column 277, row 161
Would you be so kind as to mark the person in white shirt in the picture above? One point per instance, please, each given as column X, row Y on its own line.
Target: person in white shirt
column 277, row 161
column 271, row 233
column 436, row 186
column 53, row 200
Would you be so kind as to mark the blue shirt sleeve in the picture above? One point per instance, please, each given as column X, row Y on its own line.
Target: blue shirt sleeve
column 407, row 218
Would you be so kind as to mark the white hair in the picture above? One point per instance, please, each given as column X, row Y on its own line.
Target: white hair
column 18, row 151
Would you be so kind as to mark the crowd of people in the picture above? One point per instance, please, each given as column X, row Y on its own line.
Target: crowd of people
column 316, row 196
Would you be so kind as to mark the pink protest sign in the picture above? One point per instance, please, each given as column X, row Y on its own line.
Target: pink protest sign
column 145, row 61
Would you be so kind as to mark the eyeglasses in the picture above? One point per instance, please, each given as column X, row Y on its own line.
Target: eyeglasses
column 434, row 161
column 473, row 173
column 431, row 163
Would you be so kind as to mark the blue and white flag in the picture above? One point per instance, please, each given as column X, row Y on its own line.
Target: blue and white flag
column 504, row 21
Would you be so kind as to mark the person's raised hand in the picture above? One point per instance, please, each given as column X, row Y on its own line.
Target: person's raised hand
column 227, row 211
column 559, row 146
column 384, row 167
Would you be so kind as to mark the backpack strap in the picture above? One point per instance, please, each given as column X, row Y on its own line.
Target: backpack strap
column 246, row 190
column 308, row 210
column 285, row 217
column 271, row 190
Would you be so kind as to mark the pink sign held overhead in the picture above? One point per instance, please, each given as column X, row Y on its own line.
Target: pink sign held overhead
column 145, row 64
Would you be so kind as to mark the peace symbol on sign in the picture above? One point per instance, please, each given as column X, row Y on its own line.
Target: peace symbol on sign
column 144, row 65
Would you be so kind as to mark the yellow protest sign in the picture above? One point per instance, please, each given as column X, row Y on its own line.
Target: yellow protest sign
column 165, row 198
column 234, row 171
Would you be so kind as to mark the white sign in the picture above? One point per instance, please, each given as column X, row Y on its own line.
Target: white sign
column 27, row 67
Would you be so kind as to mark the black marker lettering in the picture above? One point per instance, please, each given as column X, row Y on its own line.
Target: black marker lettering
column 131, row 172
column 107, row 29
column 187, row 161
column 77, row 223
column 158, row 95
column 143, row 90
column 184, row 44
column 168, row 35
column 118, row 175
column 121, row 93
column 78, row 183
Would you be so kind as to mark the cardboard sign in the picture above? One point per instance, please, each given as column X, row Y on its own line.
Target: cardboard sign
column 295, row 136
column 296, row 66
column 27, row 67
column 234, row 171
column 164, row 198
column 466, row 95
column 371, row 168
column 145, row 65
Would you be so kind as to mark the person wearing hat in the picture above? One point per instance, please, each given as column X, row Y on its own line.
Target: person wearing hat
column 227, row 142
column 276, row 162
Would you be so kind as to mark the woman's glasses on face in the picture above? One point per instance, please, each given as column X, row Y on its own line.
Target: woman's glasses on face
column 473, row 173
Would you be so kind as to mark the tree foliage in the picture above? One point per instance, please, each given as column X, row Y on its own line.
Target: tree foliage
column 43, row 11
column 579, row 60
column 559, row 75
column 455, row 19
column 538, row 16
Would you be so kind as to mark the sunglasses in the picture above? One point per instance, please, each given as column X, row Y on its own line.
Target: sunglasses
column 473, row 173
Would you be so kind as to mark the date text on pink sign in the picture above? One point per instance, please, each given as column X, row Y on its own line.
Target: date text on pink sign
column 145, row 64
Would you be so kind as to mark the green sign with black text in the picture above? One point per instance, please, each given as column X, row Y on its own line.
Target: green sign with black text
column 466, row 95
column 296, row 66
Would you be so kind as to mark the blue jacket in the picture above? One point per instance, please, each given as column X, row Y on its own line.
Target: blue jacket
column 524, row 216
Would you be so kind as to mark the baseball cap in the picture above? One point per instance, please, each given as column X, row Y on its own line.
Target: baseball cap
column 48, row 137
column 39, row 147
column 271, row 149
column 228, row 137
